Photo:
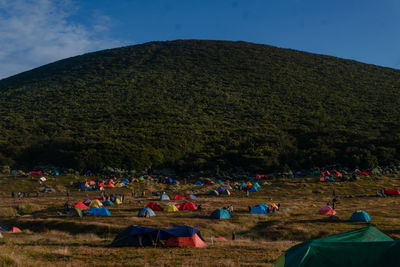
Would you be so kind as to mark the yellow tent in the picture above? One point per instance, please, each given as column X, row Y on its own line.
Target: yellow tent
column 117, row 201
column 170, row 208
column 96, row 203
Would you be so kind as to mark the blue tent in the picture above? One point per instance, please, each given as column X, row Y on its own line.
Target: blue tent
column 98, row 211
column 164, row 197
column 219, row 182
column 148, row 210
column 190, row 196
column 256, row 185
column 81, row 185
column 56, row 173
column 126, row 181
column 360, row 216
column 264, row 205
column 253, row 189
column 134, row 235
column 258, row 209
column 220, row 188
column 220, row 214
column 180, row 231
column 198, row 183
column 331, row 179
column 243, row 184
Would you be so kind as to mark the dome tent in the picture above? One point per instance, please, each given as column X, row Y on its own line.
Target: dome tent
column 143, row 211
column 360, row 216
column 220, row 214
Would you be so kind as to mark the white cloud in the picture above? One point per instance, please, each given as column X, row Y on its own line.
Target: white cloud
column 36, row 32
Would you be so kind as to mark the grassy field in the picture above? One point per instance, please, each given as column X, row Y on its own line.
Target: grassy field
column 51, row 238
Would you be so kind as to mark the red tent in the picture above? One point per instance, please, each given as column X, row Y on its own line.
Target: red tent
column 81, row 206
column 188, row 206
column 221, row 238
column 366, row 173
column 15, row 230
column 391, row 192
column 327, row 210
column 178, row 196
column 210, row 183
column 154, row 206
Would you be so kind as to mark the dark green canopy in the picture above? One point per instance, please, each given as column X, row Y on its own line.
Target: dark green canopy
column 362, row 247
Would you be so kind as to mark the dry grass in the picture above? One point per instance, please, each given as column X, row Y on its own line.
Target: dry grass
column 50, row 238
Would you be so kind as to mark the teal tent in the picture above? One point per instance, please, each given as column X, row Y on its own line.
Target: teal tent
column 365, row 247
column 220, row 214
column 360, row 216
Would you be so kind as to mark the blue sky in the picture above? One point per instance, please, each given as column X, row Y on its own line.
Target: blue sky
column 36, row 32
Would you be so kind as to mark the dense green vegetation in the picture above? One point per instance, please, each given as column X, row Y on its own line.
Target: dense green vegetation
column 201, row 105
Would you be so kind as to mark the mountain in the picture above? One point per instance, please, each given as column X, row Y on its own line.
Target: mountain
column 201, row 105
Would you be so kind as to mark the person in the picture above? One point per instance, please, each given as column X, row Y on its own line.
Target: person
column 233, row 236
column 249, row 208
column 279, row 206
column 231, row 209
column 143, row 193
column 327, row 203
column 67, row 206
column 199, row 207
column 68, row 192
column 147, row 214
column 333, row 205
column 133, row 193
column 13, row 194
column 273, row 209
column 248, row 193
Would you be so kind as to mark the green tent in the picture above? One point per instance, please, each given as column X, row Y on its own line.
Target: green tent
column 74, row 212
column 107, row 203
column 362, row 247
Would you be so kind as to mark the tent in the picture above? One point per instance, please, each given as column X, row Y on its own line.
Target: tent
column 188, row 206
column 360, row 216
column 144, row 210
column 74, row 212
column 253, row 189
column 190, row 196
column 198, row 183
column 219, row 182
column 164, row 197
column 182, row 236
column 258, row 209
column 365, row 247
column 107, row 203
column 98, row 212
column 220, row 214
column 327, row 210
column 96, row 203
column 170, row 208
column 178, row 197
column 220, row 189
column 210, row 182
column 118, row 201
column 137, row 236
column 81, row 206
column 154, row 206
column 256, row 185
column 391, row 192
column 214, row 193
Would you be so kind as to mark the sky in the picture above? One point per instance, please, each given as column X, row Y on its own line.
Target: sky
column 37, row 32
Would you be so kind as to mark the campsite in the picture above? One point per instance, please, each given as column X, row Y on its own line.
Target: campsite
column 49, row 236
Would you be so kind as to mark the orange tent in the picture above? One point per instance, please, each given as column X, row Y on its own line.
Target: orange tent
column 179, row 241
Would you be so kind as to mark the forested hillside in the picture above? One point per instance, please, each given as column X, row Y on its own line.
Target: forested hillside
column 194, row 105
